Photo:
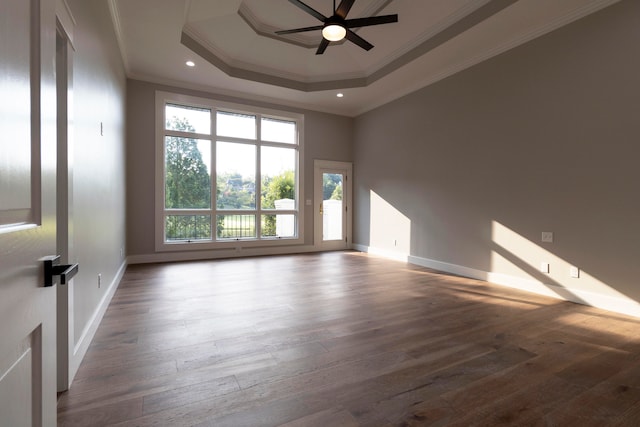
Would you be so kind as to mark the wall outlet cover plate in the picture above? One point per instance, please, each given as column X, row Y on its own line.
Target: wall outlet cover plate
column 574, row 272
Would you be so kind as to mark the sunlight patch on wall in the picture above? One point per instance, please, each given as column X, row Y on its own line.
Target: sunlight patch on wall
column 518, row 262
column 390, row 230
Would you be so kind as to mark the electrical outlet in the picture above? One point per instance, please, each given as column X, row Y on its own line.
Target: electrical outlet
column 99, row 280
column 574, row 272
column 547, row 236
column 544, row 267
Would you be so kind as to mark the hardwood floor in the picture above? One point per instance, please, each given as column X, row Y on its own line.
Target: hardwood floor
column 347, row 339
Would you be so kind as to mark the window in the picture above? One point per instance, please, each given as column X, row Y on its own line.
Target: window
column 227, row 175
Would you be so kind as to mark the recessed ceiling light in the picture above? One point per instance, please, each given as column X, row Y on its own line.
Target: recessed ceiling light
column 340, row 95
column 190, row 64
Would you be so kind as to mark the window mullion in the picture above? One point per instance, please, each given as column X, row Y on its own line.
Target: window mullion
column 214, row 177
column 186, row 134
column 259, row 177
column 279, row 145
column 237, row 140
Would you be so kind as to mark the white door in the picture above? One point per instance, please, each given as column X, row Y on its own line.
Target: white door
column 332, row 205
column 64, row 220
column 27, row 212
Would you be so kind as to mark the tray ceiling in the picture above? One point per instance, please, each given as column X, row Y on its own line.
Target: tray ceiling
column 236, row 52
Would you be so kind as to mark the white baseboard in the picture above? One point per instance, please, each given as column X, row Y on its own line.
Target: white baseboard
column 621, row 305
column 81, row 347
column 625, row 306
column 385, row 253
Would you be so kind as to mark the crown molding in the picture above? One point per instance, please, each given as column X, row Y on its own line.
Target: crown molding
column 269, row 78
column 240, row 97
column 117, row 28
column 66, row 20
column 265, row 30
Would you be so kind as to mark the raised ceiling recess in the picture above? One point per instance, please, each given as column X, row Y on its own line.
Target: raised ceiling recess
column 237, row 53
column 242, row 43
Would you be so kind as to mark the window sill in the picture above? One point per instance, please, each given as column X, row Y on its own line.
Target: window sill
column 231, row 244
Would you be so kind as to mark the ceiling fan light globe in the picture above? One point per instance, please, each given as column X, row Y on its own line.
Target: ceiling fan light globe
column 334, row 32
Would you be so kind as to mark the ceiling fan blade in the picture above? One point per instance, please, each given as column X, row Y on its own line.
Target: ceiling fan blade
column 373, row 20
column 299, row 30
column 322, row 47
column 311, row 11
column 354, row 38
column 344, row 8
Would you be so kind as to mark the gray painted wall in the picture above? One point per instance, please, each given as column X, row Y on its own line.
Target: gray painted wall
column 98, row 195
column 542, row 138
column 326, row 137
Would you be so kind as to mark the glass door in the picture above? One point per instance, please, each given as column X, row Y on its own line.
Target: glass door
column 332, row 205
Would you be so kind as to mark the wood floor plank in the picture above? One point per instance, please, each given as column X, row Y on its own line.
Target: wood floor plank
column 346, row 339
column 194, row 392
column 104, row 415
column 481, row 397
column 331, row 417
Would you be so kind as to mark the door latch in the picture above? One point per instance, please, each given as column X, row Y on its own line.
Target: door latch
column 52, row 267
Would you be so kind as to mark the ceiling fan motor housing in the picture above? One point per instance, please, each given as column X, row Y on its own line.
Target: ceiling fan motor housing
column 337, row 27
column 334, row 29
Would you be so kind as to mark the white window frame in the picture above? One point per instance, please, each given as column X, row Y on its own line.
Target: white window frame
column 164, row 98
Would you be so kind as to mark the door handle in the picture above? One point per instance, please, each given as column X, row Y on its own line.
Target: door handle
column 52, row 267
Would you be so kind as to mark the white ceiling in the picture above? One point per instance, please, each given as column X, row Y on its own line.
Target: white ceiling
column 236, row 52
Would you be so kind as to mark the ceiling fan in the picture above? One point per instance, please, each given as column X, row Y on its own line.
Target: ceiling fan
column 337, row 26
